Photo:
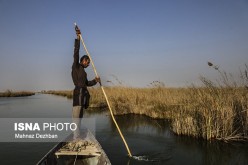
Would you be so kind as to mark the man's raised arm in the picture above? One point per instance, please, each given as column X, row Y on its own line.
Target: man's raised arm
column 76, row 48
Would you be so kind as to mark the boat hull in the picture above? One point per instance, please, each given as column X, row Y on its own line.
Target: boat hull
column 90, row 155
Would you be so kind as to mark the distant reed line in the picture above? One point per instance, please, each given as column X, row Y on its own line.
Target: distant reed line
column 10, row 93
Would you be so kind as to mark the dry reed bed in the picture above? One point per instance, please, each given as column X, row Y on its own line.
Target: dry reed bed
column 207, row 112
column 213, row 111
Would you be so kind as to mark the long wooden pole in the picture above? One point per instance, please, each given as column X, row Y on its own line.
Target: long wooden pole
column 104, row 93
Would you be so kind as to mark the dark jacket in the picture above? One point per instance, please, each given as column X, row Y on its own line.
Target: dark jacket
column 79, row 77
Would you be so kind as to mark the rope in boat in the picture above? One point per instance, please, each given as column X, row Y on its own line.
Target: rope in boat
column 94, row 68
column 76, row 146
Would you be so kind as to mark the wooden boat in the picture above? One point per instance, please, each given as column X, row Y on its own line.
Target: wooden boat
column 86, row 150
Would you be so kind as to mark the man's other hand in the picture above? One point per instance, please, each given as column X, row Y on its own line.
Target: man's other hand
column 98, row 79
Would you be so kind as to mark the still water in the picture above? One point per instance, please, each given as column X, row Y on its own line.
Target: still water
column 148, row 139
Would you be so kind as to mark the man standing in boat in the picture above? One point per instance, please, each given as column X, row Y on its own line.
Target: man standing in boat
column 81, row 95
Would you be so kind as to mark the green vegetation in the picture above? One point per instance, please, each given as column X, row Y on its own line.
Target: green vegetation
column 10, row 93
column 213, row 111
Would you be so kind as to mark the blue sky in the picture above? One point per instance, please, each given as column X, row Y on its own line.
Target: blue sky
column 137, row 41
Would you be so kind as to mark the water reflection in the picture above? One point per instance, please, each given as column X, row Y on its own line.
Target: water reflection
column 152, row 142
column 214, row 152
column 236, row 153
column 142, row 125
